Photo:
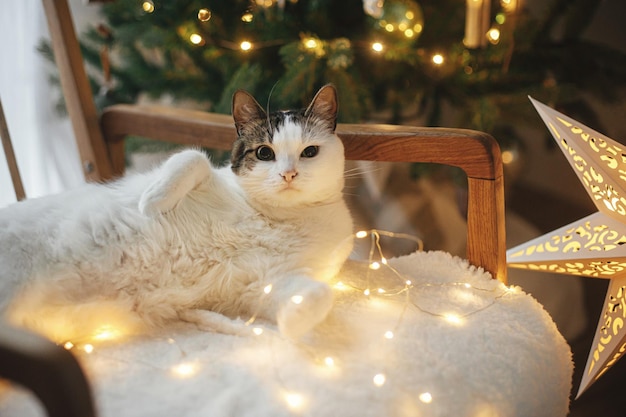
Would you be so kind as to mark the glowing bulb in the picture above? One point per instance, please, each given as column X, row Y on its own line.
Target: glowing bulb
column 294, row 400
column 330, row 362
column 367, row 292
column 409, row 33
column 381, row 291
column 507, row 157
column 297, row 299
column 106, row 333
column 379, row 380
column 389, row 27
column 467, row 285
column 438, row 59
column 361, row 233
column 147, row 6
column 340, row 285
column 377, row 47
column 245, row 46
column 68, row 345
column 408, row 282
column 184, row 370
column 388, row 334
column 267, row 289
column 195, row 39
column 204, row 15
column 310, row 43
column 453, row 318
column 88, row 348
column 257, row 331
column 426, row 397
column 247, row 17
column 493, row 35
column 383, row 260
column 374, row 266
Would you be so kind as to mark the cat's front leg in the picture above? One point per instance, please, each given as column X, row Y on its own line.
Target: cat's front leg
column 299, row 303
column 179, row 175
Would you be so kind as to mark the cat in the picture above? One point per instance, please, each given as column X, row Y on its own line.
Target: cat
column 188, row 241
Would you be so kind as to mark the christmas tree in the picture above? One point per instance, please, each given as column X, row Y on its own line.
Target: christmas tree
column 392, row 61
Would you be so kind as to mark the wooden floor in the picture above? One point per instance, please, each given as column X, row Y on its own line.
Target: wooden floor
column 605, row 397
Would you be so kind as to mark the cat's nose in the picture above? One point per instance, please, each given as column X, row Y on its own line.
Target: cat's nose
column 288, row 176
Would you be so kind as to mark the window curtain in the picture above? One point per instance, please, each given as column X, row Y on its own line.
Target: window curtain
column 43, row 140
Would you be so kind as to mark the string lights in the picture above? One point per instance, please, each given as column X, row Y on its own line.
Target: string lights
column 403, row 18
column 397, row 289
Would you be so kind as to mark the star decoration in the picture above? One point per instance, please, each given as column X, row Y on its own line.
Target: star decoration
column 593, row 246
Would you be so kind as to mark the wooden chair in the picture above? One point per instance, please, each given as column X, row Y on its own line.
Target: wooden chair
column 100, row 143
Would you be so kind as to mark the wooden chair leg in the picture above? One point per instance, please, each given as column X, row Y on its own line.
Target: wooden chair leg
column 18, row 187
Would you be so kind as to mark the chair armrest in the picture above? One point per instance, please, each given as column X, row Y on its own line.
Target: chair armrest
column 477, row 153
column 48, row 370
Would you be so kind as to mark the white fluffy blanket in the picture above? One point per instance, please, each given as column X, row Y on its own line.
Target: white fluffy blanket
column 456, row 344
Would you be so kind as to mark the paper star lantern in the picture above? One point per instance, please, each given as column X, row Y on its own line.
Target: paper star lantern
column 595, row 245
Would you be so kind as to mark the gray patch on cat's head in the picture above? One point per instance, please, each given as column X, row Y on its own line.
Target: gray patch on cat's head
column 255, row 127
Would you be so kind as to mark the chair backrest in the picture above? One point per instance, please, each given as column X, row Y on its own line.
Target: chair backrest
column 100, row 143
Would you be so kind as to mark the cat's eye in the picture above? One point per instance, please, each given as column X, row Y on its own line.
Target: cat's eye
column 310, row 151
column 265, row 153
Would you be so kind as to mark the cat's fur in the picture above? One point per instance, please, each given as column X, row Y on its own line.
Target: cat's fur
column 187, row 240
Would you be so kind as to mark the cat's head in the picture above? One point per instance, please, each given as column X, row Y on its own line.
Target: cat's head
column 288, row 158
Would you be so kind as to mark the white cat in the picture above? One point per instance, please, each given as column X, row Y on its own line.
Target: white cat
column 187, row 240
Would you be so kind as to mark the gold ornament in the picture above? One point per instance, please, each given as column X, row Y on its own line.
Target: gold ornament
column 204, row 15
column 594, row 246
column 402, row 19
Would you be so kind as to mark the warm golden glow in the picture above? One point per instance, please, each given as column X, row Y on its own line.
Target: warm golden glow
column 247, row 17
column 379, row 380
column 377, row 47
column 493, row 35
column 426, row 397
column 245, row 46
column 297, row 299
column 438, row 59
column 294, row 400
column 147, row 6
column 204, row 15
column 195, row 39
column 185, row 369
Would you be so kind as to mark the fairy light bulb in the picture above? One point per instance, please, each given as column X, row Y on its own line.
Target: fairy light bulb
column 493, row 36
column 297, row 299
column 195, row 39
column 379, row 380
column 245, row 46
column 294, row 400
column 453, row 318
column 68, row 345
column 204, row 15
column 438, row 59
column 366, row 292
column 257, row 331
column 267, row 289
column 330, row 362
column 147, row 6
column 310, row 43
column 184, row 370
column 388, row 334
column 247, row 17
column 88, row 348
column 377, row 47
column 361, row 233
column 375, row 266
column 426, row 397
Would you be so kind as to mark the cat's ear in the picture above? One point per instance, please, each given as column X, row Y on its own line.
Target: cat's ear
column 245, row 109
column 324, row 106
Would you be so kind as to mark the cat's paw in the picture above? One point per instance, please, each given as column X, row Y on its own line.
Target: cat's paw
column 304, row 310
column 180, row 174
